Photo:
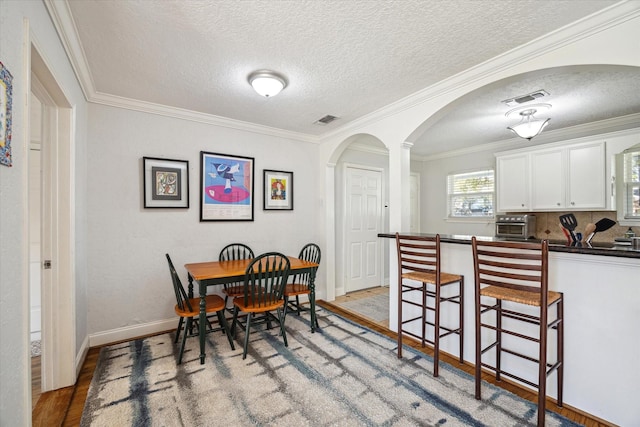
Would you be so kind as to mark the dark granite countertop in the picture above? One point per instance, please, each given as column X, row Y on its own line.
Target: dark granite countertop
column 599, row 248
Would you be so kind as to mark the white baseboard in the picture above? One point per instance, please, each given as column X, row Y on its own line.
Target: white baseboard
column 130, row 332
column 82, row 355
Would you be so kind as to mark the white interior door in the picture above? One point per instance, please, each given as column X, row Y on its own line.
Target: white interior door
column 57, row 228
column 363, row 223
column 35, row 179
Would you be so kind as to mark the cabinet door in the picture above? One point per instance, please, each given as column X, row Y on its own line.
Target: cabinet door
column 513, row 182
column 586, row 176
column 548, row 179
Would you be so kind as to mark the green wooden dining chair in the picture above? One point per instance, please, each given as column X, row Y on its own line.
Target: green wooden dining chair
column 300, row 284
column 231, row 252
column 188, row 311
column 264, row 282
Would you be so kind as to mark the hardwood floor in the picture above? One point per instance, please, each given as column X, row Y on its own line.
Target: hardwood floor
column 36, row 380
column 365, row 293
column 64, row 407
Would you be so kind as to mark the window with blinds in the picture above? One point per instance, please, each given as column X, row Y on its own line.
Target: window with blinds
column 632, row 184
column 471, row 194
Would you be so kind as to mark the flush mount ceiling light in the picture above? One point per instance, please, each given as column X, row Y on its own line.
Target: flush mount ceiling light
column 267, row 83
column 529, row 126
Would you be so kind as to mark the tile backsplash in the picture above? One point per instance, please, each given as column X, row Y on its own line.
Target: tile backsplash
column 548, row 225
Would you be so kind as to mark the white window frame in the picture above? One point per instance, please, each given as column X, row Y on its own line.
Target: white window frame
column 451, row 216
column 631, row 177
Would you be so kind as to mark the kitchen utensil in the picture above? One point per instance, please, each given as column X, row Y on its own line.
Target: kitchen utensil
column 588, row 240
column 589, row 231
column 569, row 222
column 566, row 234
column 604, row 224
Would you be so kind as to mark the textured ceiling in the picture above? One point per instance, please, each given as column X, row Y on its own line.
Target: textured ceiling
column 346, row 58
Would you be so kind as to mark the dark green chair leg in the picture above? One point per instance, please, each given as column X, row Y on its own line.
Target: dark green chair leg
column 233, row 322
column 179, row 330
column 282, row 331
column 184, row 338
column 246, row 335
column 225, row 327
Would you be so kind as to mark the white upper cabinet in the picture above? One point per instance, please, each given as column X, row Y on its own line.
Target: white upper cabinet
column 587, row 186
column 570, row 177
column 513, row 182
column 547, row 177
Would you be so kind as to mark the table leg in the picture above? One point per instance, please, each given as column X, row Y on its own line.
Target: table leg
column 203, row 319
column 312, row 299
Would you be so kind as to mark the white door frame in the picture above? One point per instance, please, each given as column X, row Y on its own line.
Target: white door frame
column 58, row 297
column 416, row 176
column 381, row 220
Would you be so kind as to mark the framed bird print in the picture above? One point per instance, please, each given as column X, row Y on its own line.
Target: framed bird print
column 226, row 187
column 166, row 183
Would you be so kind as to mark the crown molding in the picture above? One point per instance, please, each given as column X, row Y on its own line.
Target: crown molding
column 194, row 116
column 629, row 124
column 68, row 33
column 609, row 17
column 614, row 15
column 65, row 27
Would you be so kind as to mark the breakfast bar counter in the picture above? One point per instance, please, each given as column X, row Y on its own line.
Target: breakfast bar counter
column 596, row 248
column 601, row 286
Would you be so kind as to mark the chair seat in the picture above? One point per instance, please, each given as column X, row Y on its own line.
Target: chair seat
column 214, row 304
column 522, row 297
column 445, row 278
column 251, row 307
column 293, row 289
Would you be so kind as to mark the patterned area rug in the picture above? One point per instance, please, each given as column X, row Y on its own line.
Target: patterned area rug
column 36, row 348
column 343, row 375
column 375, row 307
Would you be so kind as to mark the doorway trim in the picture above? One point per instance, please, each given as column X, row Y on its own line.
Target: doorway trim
column 341, row 287
column 58, row 299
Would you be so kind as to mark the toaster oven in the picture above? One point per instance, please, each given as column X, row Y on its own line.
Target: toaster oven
column 516, row 226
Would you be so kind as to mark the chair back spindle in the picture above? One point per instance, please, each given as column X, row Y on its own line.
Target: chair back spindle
column 311, row 253
column 265, row 279
column 181, row 295
column 235, row 251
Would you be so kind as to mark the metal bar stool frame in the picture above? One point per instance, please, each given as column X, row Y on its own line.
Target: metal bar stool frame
column 517, row 272
column 419, row 262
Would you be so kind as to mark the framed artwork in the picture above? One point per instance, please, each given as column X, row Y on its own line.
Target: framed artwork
column 6, row 96
column 166, row 183
column 278, row 190
column 226, row 187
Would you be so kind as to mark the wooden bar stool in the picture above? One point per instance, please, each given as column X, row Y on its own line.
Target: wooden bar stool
column 509, row 275
column 419, row 273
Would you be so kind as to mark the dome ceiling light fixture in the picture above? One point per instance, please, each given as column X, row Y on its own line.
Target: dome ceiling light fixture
column 267, row 83
column 529, row 126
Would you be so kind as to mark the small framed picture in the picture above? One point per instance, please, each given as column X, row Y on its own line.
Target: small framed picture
column 278, row 190
column 6, row 97
column 166, row 183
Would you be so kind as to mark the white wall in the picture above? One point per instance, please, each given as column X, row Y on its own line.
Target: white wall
column 129, row 281
column 15, row 402
column 433, row 187
column 121, row 277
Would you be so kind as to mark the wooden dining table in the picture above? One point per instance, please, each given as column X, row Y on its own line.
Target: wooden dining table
column 220, row 272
